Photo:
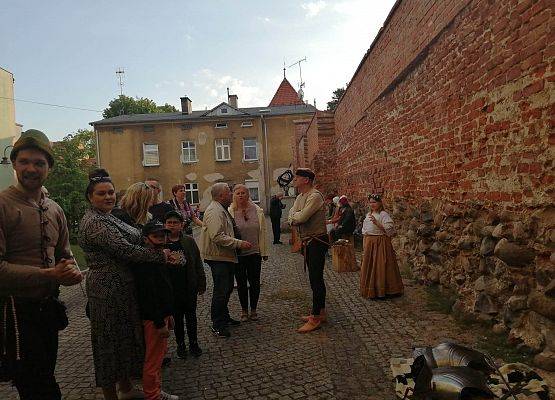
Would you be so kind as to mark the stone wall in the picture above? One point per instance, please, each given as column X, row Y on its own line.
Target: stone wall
column 458, row 133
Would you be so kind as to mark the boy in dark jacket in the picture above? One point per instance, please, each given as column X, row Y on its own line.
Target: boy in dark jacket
column 188, row 281
column 154, row 294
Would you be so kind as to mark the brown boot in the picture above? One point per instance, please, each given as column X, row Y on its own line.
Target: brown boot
column 323, row 316
column 312, row 324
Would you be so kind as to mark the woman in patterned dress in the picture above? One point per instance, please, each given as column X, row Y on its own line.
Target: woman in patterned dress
column 110, row 246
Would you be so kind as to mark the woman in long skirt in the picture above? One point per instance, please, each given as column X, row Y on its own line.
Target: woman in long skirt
column 379, row 276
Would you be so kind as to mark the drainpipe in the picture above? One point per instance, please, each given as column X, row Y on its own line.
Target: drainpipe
column 266, row 165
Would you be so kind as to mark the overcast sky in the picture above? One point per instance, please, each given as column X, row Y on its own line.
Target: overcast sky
column 67, row 52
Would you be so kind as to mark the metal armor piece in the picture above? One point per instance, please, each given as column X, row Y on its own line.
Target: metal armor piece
column 458, row 383
column 454, row 355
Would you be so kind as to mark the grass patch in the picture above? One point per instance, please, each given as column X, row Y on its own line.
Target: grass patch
column 439, row 300
column 487, row 341
column 79, row 256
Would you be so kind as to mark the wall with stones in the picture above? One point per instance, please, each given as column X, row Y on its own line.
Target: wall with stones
column 457, row 132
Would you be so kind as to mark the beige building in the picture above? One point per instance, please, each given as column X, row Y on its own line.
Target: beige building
column 9, row 130
column 197, row 148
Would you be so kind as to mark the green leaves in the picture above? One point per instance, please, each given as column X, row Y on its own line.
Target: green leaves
column 125, row 105
column 337, row 94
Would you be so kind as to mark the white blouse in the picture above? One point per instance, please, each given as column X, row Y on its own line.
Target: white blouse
column 369, row 228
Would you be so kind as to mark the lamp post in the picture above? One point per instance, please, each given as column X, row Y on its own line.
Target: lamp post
column 5, row 160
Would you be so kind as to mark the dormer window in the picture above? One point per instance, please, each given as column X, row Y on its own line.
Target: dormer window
column 246, row 124
column 223, row 110
column 221, row 125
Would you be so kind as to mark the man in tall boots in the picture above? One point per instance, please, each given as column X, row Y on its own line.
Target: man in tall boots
column 308, row 215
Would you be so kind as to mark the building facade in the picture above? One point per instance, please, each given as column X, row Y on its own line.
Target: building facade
column 198, row 148
column 9, row 130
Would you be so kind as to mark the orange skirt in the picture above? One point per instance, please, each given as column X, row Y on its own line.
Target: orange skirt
column 379, row 274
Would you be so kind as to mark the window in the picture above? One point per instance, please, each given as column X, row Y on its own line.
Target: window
column 223, row 110
column 223, row 150
column 221, row 125
column 249, row 149
column 188, row 152
column 148, row 128
column 118, row 129
column 253, row 190
column 191, row 193
column 186, row 127
column 246, row 124
column 150, row 155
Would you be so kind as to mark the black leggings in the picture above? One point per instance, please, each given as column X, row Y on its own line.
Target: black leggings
column 248, row 270
column 186, row 309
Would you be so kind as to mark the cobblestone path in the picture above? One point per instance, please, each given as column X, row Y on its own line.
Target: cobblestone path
column 347, row 359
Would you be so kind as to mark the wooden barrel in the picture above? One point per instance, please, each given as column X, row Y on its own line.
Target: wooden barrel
column 343, row 257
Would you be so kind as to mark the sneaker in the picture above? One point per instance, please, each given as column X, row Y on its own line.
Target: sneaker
column 181, row 351
column 132, row 394
column 222, row 332
column 167, row 396
column 253, row 316
column 233, row 322
column 195, row 350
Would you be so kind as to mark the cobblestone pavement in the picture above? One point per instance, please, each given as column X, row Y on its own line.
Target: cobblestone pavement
column 347, row 359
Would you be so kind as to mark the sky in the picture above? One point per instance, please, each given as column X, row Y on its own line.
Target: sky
column 66, row 52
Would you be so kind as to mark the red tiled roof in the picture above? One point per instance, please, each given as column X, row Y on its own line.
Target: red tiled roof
column 285, row 95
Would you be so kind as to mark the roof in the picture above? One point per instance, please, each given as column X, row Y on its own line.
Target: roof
column 285, row 95
column 249, row 112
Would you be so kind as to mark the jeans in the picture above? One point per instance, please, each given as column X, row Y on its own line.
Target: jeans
column 186, row 309
column 222, row 275
column 276, row 229
column 315, row 260
column 248, row 270
column 33, row 376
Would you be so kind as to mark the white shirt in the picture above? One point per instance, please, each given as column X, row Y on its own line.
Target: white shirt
column 369, row 228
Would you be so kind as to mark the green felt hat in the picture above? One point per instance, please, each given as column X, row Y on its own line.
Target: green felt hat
column 33, row 138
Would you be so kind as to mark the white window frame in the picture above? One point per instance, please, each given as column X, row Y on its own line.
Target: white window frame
column 186, row 152
column 250, row 146
column 222, row 144
column 190, row 189
column 253, row 184
column 157, row 152
column 246, row 124
column 221, row 125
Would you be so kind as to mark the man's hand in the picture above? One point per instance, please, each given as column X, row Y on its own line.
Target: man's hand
column 65, row 273
column 244, row 245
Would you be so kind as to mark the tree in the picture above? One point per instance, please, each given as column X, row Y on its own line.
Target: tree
column 125, row 105
column 73, row 159
column 337, row 94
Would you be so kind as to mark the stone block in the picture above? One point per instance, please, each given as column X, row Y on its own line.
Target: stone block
column 513, row 254
column 487, row 246
column 542, row 305
column 545, row 360
column 484, row 304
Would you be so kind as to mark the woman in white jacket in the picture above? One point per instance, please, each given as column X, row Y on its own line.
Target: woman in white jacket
column 251, row 225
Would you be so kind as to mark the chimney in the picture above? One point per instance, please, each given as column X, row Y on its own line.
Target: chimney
column 186, row 105
column 232, row 100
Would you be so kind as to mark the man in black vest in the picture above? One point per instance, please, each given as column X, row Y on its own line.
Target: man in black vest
column 275, row 216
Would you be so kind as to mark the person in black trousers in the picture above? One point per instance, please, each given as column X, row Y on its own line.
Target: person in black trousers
column 275, row 216
column 188, row 281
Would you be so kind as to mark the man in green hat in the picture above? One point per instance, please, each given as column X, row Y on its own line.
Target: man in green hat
column 35, row 259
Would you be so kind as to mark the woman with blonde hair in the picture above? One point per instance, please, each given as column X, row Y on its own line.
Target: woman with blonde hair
column 379, row 275
column 251, row 225
column 136, row 201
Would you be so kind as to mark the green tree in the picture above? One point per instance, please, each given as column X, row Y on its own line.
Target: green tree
column 73, row 158
column 125, row 105
column 337, row 94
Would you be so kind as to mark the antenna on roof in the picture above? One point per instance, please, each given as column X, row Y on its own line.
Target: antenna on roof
column 301, row 83
column 119, row 74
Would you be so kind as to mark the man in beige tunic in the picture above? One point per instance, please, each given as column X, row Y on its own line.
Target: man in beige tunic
column 35, row 258
column 308, row 216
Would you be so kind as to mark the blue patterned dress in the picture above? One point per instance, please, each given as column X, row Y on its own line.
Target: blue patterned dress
column 110, row 246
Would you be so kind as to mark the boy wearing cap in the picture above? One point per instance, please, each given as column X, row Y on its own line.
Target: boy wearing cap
column 154, row 294
column 188, row 281
column 308, row 216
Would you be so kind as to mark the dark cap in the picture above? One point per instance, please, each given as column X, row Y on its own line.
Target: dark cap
column 305, row 173
column 35, row 139
column 173, row 214
column 154, row 226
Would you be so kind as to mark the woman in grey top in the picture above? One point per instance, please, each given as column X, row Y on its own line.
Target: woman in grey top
column 251, row 224
column 110, row 246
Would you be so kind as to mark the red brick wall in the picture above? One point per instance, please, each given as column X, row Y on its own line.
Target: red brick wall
column 471, row 119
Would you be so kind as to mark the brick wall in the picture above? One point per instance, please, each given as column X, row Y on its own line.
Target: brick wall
column 451, row 115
